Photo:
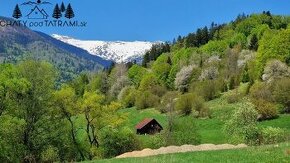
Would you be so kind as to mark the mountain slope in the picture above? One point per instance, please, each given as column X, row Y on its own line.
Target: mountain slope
column 118, row 51
column 20, row 43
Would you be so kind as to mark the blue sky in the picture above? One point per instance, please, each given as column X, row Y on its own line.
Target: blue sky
column 150, row 20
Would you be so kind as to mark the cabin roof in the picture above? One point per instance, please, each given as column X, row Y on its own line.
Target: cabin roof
column 145, row 122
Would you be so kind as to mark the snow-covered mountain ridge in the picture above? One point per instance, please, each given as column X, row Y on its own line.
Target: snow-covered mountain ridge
column 117, row 51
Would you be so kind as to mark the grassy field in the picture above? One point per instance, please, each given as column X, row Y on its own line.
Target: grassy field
column 210, row 130
column 266, row 154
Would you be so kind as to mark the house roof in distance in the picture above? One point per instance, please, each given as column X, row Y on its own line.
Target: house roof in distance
column 144, row 123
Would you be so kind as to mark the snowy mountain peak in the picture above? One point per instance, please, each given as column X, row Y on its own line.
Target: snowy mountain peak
column 117, row 51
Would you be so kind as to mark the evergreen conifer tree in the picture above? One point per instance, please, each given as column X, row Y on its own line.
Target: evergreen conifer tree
column 69, row 12
column 56, row 12
column 17, row 13
column 254, row 43
column 62, row 7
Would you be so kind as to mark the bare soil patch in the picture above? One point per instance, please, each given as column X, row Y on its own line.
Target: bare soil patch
column 179, row 149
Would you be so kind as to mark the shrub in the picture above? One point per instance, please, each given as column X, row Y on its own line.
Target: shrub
column 234, row 82
column 167, row 102
column 275, row 69
column 190, row 102
column 245, row 75
column 185, row 132
column 204, row 112
column 127, row 96
column 281, row 93
column 265, row 109
column 273, row 135
column 116, row 142
column 234, row 98
column 158, row 90
column 184, row 104
column 50, row 155
column 243, row 124
column 209, row 89
column 146, row 100
column 261, row 91
column 154, row 141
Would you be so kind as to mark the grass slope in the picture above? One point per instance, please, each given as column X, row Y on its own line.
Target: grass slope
column 210, row 130
column 265, row 154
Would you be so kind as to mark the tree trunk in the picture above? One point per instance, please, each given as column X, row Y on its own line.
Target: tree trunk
column 74, row 138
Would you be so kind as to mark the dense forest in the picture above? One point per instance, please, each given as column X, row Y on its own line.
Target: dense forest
column 83, row 119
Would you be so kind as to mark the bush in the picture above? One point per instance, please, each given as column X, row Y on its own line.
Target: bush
column 272, row 135
column 209, row 89
column 185, row 132
column 146, row 100
column 127, row 96
column 190, row 102
column 153, row 141
column 243, row 124
column 115, row 142
column 234, row 98
column 158, row 90
column 261, row 91
column 274, row 70
column 265, row 109
column 184, row 104
column 167, row 102
column 281, row 93
column 50, row 155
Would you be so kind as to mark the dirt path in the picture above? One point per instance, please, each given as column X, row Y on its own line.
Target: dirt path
column 179, row 149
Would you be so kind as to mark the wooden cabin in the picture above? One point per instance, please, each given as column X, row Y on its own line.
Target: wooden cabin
column 148, row 126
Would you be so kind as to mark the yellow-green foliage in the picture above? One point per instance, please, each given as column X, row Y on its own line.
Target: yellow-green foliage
column 161, row 68
column 274, row 45
column 136, row 73
column 182, row 56
column 215, row 47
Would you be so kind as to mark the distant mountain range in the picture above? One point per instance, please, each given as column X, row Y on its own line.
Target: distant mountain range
column 19, row 43
column 70, row 56
column 117, row 51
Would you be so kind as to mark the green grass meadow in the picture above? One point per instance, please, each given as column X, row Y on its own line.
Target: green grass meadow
column 210, row 131
column 263, row 154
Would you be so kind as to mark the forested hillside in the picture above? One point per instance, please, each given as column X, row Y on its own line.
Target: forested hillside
column 18, row 43
column 227, row 83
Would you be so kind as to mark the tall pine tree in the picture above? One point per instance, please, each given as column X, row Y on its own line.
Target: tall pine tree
column 69, row 12
column 56, row 12
column 17, row 13
column 254, row 43
column 62, row 7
